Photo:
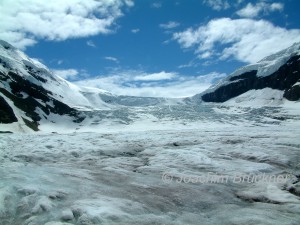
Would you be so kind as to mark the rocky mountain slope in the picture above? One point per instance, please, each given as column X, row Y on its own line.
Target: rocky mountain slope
column 27, row 90
column 280, row 71
column 31, row 93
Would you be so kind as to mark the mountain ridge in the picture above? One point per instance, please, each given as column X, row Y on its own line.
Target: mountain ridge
column 279, row 71
column 31, row 94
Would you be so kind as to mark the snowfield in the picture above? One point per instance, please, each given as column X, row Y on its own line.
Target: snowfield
column 179, row 164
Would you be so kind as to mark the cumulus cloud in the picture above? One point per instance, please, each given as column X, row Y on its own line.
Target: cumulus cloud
column 246, row 40
column 155, row 76
column 68, row 74
column 251, row 11
column 23, row 24
column 169, row 25
column 276, row 6
column 140, row 83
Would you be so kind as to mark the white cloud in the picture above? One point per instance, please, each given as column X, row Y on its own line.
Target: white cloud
column 246, row 40
column 126, row 83
column 136, row 30
column 91, row 44
column 155, row 76
column 169, row 25
column 113, row 59
column 276, row 6
column 251, row 11
column 217, row 4
column 68, row 74
column 24, row 23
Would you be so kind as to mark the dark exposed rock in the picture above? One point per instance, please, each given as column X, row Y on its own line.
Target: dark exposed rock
column 293, row 94
column 6, row 113
column 283, row 79
column 241, row 85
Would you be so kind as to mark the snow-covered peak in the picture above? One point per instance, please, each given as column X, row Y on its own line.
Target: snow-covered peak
column 288, row 52
column 17, row 60
column 264, row 67
column 6, row 45
column 271, row 63
column 14, row 60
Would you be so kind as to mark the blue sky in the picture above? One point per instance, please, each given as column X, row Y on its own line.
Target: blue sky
column 170, row 48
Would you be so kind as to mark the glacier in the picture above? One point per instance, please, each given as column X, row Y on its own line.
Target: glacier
column 130, row 160
column 117, row 176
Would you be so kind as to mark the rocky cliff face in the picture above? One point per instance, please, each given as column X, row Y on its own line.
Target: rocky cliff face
column 285, row 78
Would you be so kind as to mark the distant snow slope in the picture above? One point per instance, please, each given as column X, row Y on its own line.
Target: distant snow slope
column 258, row 98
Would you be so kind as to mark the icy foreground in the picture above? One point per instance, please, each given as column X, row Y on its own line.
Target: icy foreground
column 159, row 175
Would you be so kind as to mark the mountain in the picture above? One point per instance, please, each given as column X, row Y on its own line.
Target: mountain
column 29, row 92
column 31, row 95
column 280, row 71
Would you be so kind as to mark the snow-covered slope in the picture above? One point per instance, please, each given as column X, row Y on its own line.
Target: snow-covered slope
column 280, row 71
column 13, row 60
column 30, row 93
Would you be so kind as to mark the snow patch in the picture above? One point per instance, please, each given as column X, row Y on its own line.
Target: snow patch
column 258, row 98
